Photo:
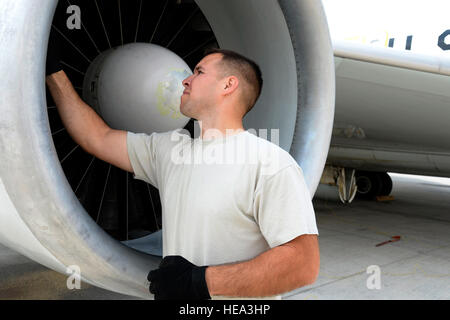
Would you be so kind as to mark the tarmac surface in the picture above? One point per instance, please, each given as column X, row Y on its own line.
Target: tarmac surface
column 352, row 267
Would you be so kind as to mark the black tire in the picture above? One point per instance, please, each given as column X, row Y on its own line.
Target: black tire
column 386, row 184
column 369, row 184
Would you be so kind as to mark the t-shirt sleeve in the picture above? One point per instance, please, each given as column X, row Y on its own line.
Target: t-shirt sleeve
column 142, row 152
column 283, row 207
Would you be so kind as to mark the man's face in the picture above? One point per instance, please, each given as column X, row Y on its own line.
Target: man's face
column 202, row 88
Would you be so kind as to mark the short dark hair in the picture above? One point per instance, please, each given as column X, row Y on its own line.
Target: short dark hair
column 246, row 68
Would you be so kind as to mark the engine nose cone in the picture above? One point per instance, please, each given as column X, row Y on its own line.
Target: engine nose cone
column 137, row 87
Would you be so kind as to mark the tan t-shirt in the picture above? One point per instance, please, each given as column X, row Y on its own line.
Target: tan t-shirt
column 223, row 200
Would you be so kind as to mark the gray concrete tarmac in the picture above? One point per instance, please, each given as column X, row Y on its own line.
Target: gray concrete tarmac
column 415, row 267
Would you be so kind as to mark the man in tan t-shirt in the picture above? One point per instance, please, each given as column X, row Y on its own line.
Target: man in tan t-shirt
column 255, row 238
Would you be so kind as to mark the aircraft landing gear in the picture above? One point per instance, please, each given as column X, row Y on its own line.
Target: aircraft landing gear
column 372, row 184
column 346, row 183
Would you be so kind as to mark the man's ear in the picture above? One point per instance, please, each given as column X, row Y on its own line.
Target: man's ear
column 230, row 84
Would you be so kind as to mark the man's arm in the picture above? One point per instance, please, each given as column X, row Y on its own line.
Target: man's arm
column 278, row 270
column 85, row 126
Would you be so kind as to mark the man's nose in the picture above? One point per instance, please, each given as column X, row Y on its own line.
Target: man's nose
column 186, row 82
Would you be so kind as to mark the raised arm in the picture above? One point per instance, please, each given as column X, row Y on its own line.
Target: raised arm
column 85, row 126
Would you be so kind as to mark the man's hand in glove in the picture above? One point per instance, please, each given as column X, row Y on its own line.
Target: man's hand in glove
column 53, row 54
column 177, row 278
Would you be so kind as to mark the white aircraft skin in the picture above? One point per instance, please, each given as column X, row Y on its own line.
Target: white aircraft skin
column 392, row 77
column 410, row 25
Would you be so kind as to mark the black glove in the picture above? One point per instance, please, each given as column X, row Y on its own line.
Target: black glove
column 177, row 278
column 53, row 53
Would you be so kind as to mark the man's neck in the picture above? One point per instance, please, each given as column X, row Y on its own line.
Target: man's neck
column 216, row 129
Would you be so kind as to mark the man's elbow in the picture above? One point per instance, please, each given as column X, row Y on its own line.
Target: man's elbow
column 312, row 276
column 311, row 273
column 315, row 267
column 307, row 259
